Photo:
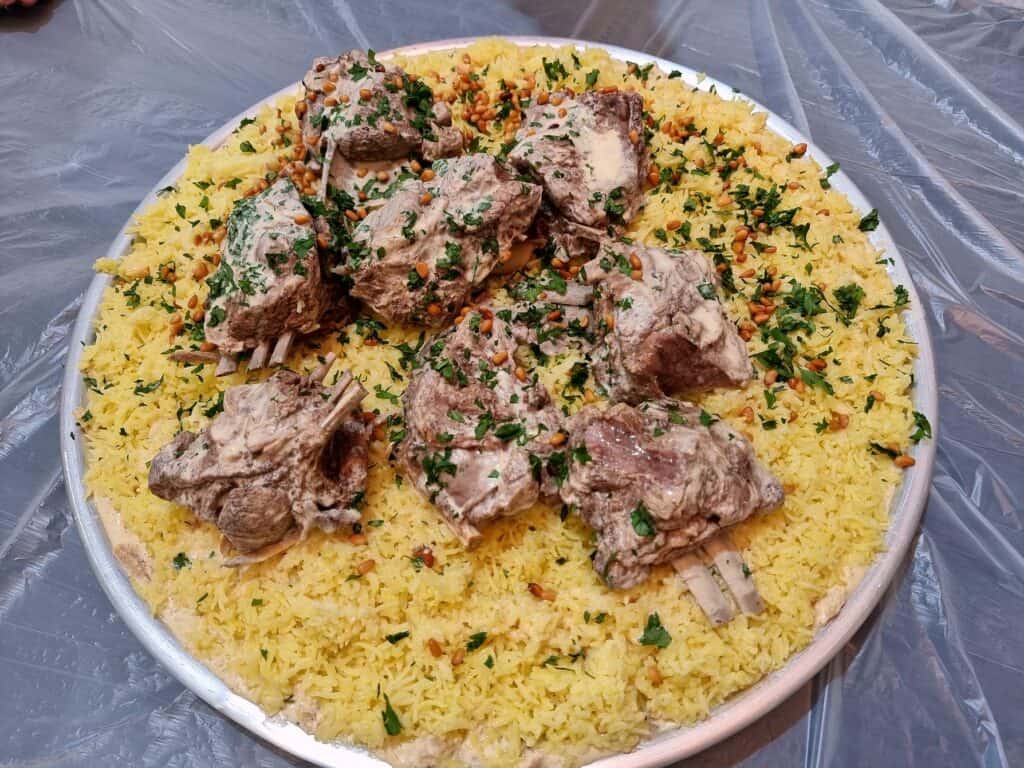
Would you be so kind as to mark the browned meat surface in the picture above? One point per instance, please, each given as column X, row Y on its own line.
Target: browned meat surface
column 360, row 109
column 665, row 330
column 478, row 440
column 285, row 455
column 269, row 281
column 661, row 478
column 589, row 153
column 419, row 256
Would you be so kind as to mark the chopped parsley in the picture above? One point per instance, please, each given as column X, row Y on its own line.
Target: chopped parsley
column 554, row 70
column 407, row 230
column 654, row 633
column 642, row 521
column 385, row 393
column 483, row 425
column 247, row 147
column 578, row 375
column 815, row 379
column 303, row 245
column 848, row 297
column 476, row 640
column 181, row 561
column 510, row 430
column 392, row 724
column 145, row 389
column 216, row 407
column 614, row 206
column 924, row 428
column 824, row 180
column 581, row 455
column 437, row 464
column 870, row 222
column 396, row 637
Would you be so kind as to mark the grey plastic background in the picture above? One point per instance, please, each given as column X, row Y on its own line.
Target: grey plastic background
column 922, row 104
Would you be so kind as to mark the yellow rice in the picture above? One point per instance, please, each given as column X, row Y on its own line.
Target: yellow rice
column 300, row 635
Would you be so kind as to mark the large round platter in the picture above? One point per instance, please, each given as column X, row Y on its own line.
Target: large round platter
column 905, row 513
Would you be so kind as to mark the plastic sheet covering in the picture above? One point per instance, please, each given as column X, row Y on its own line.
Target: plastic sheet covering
column 922, row 104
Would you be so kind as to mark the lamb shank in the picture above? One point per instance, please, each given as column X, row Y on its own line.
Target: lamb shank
column 285, row 456
column 659, row 480
column 480, row 431
column 359, row 109
column 589, row 153
column 419, row 256
column 665, row 330
column 269, row 286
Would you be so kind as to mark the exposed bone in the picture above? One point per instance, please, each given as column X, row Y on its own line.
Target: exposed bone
column 194, row 356
column 704, row 589
column 348, row 394
column 318, row 374
column 259, row 355
column 265, row 553
column 331, row 156
column 228, row 364
column 738, row 578
column 281, row 349
column 340, row 386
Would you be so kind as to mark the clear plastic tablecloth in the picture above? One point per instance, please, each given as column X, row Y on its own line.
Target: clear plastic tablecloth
column 921, row 103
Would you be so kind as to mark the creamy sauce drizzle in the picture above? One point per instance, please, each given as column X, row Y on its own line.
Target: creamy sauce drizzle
column 604, row 157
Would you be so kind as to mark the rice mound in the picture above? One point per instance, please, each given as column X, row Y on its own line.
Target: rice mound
column 306, row 635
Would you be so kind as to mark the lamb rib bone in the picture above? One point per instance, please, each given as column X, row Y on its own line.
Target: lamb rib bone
column 346, row 396
column 282, row 348
column 736, row 575
column 259, row 355
column 228, row 364
column 704, row 588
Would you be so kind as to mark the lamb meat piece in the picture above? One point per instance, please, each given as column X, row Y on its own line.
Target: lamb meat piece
column 662, row 478
column 418, row 257
column 666, row 332
column 477, row 437
column 443, row 140
column 283, row 457
column 269, row 285
column 564, row 239
column 589, row 153
column 357, row 108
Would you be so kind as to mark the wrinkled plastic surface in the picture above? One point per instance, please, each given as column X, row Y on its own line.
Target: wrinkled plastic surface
column 921, row 103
